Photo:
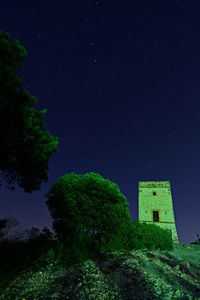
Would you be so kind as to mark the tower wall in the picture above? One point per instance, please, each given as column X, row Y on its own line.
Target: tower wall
column 156, row 196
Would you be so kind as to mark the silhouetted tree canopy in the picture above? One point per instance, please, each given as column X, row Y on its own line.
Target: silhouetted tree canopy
column 25, row 146
column 89, row 211
column 3, row 223
column 6, row 225
column 35, row 233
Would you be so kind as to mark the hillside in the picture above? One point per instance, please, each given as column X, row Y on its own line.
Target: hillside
column 140, row 274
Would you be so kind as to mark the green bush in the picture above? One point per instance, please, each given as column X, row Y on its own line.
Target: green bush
column 90, row 214
column 149, row 236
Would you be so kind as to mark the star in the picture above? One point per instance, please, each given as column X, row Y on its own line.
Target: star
column 92, row 44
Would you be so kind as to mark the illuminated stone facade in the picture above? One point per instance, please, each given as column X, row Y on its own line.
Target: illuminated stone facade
column 155, row 205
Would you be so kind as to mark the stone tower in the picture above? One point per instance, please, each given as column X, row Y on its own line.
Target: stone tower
column 155, row 205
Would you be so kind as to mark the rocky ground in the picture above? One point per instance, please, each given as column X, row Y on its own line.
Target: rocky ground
column 140, row 274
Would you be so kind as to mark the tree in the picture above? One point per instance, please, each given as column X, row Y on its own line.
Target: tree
column 33, row 233
column 3, row 223
column 89, row 212
column 6, row 225
column 197, row 242
column 25, row 146
column 46, row 234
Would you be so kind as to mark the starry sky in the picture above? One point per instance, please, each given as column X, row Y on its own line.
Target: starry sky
column 121, row 82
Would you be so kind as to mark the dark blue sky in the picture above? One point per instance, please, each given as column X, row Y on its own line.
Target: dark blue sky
column 121, row 82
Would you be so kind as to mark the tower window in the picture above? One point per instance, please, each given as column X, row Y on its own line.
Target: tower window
column 154, row 193
column 155, row 215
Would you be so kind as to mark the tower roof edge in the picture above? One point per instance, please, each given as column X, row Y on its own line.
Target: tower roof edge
column 154, row 184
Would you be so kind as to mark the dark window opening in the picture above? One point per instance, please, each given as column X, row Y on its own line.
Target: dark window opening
column 155, row 215
column 154, row 193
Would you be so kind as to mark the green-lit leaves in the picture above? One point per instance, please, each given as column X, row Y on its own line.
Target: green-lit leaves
column 89, row 212
column 11, row 53
column 149, row 236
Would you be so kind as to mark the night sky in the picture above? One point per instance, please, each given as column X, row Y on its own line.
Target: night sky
column 121, row 82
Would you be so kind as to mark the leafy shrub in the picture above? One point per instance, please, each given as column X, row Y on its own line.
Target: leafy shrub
column 149, row 236
column 90, row 214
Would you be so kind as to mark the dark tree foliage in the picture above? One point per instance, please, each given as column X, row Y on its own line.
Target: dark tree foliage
column 197, row 242
column 3, row 223
column 89, row 212
column 33, row 247
column 46, row 233
column 25, row 146
column 35, row 233
column 6, row 225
